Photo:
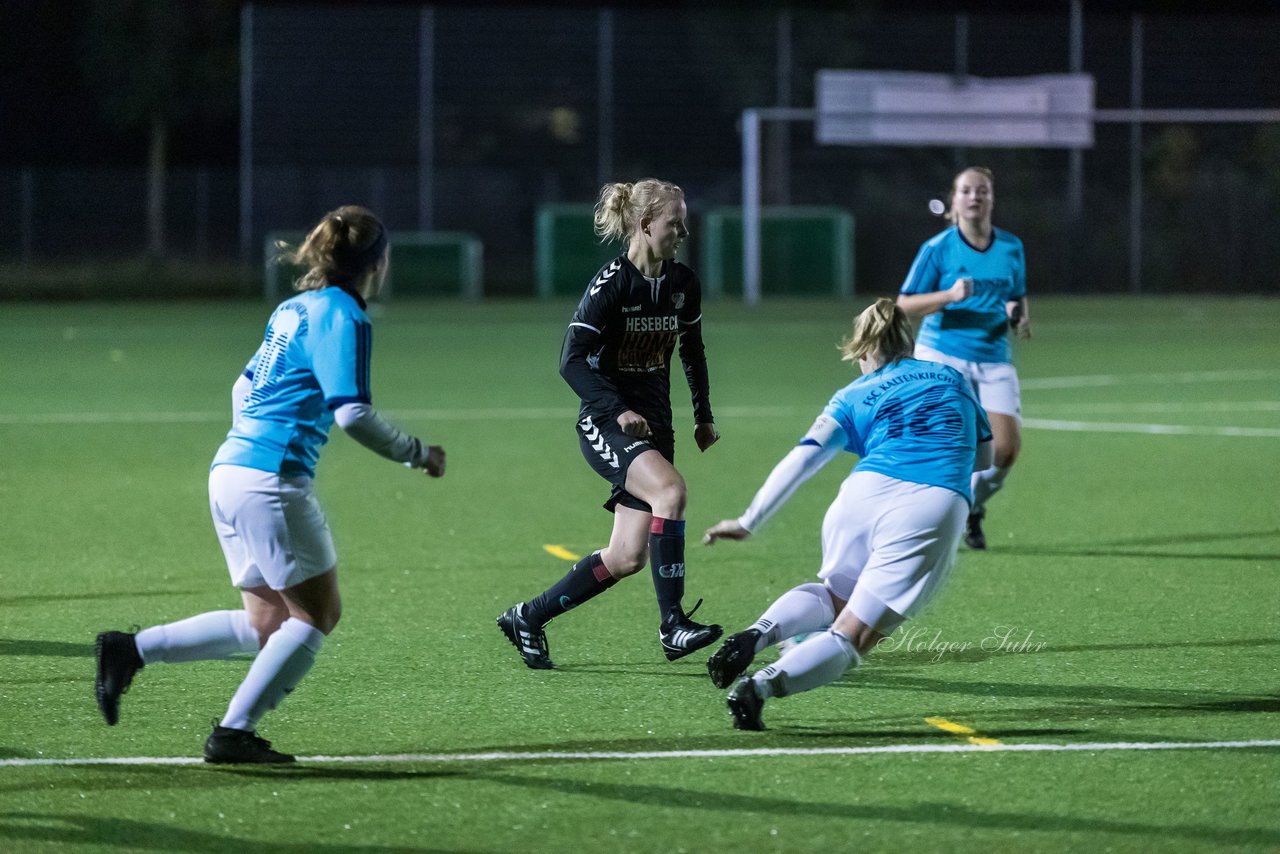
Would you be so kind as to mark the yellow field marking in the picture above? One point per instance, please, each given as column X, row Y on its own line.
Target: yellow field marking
column 970, row 733
column 562, row 553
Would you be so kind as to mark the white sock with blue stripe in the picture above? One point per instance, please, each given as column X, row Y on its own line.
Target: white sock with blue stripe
column 807, row 608
column 821, row 659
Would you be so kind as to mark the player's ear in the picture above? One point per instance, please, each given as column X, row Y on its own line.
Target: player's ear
column 645, row 222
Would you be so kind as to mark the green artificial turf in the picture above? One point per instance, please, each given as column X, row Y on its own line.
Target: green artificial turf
column 1133, row 574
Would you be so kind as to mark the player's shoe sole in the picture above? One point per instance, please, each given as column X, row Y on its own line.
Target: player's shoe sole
column 732, row 658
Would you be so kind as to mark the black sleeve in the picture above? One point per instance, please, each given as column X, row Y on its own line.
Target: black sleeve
column 693, row 353
column 582, row 349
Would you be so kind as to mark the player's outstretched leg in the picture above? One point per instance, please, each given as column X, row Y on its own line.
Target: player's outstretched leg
column 802, row 609
column 818, row 661
column 529, row 640
column 524, row 624
column 118, row 660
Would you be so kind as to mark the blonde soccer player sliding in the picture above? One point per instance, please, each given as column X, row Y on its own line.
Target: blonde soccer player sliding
column 969, row 283
column 890, row 536
column 310, row 371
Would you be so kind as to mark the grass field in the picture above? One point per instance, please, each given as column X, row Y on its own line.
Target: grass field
column 1134, row 568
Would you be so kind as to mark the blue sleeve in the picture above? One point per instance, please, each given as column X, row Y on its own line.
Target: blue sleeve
column 340, row 360
column 924, row 275
column 250, row 368
column 843, row 415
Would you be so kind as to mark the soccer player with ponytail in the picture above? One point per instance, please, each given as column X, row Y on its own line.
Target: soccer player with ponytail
column 616, row 356
column 890, row 536
column 311, row 370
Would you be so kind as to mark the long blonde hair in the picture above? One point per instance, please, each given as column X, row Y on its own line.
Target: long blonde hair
column 340, row 249
column 882, row 329
column 621, row 207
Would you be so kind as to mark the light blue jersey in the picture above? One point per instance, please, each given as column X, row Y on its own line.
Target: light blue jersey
column 915, row 421
column 975, row 329
column 313, row 358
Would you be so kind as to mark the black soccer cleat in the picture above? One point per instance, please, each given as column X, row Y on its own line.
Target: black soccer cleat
column 681, row 635
column 531, row 641
column 973, row 536
column 745, row 705
column 118, row 661
column 227, row 746
column 732, row 658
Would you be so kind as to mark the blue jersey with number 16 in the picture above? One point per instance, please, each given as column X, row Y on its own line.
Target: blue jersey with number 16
column 313, row 358
column 913, row 420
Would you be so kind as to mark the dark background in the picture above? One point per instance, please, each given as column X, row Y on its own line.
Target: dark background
column 87, row 87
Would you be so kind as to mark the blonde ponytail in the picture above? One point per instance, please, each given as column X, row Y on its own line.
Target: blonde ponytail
column 621, row 207
column 883, row 330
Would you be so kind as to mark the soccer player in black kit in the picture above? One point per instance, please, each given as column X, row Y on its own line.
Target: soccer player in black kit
column 616, row 356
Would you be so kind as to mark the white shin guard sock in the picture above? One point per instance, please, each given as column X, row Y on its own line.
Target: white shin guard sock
column 216, row 634
column 985, row 484
column 285, row 658
column 806, row 608
column 812, row 664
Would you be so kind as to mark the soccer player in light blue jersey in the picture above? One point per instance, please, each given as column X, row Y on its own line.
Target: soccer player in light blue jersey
column 311, row 370
column 888, row 540
column 969, row 283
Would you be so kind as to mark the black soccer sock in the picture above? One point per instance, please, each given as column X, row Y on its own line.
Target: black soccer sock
column 666, row 557
column 588, row 578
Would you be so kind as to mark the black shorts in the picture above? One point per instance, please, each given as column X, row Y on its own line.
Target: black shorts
column 611, row 452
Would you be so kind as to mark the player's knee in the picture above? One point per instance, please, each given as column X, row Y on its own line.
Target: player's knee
column 629, row 563
column 672, row 498
column 327, row 620
column 265, row 624
column 1006, row 455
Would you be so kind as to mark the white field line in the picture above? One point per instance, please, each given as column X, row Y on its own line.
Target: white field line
column 1151, row 429
column 731, row 753
column 1097, row 380
column 1174, row 407
column 546, row 414
column 438, row 415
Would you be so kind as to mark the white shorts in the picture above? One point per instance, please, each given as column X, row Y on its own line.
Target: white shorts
column 271, row 528
column 887, row 545
column 995, row 383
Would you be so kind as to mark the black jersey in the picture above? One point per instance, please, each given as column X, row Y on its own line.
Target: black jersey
column 617, row 350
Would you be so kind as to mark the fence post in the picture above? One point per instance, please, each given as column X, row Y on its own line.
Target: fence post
column 1135, row 158
column 26, row 207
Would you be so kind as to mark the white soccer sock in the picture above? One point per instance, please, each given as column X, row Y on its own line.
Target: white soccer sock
column 806, row 608
column 985, row 484
column 819, row 660
column 285, row 658
column 215, row 634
